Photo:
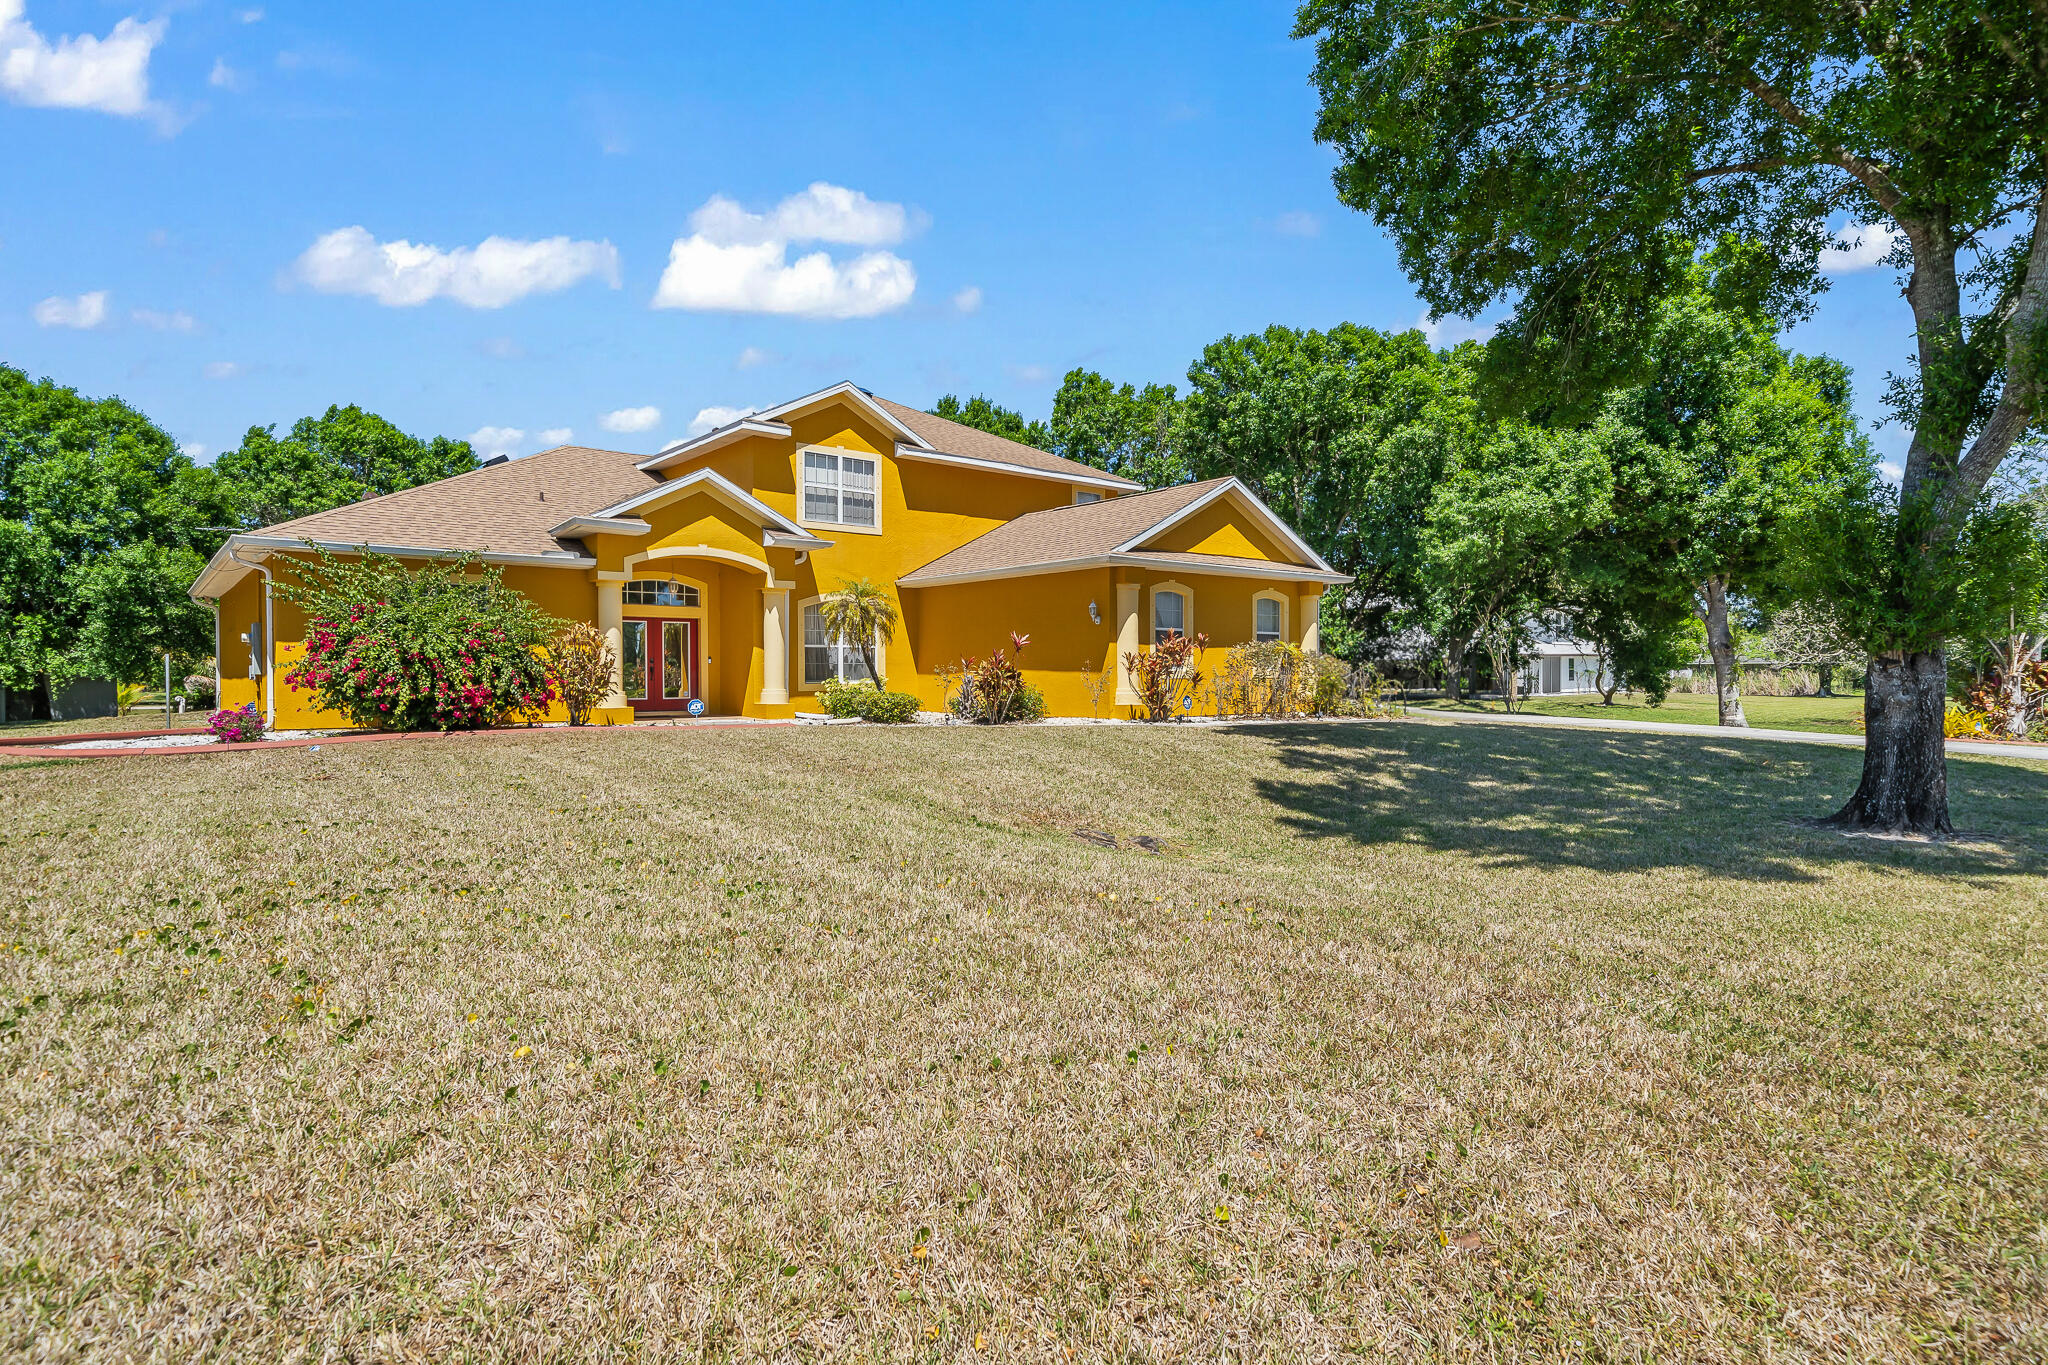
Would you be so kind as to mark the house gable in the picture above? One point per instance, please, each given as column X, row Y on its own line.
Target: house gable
column 1224, row 527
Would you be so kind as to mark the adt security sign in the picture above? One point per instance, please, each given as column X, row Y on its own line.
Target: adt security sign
column 696, row 706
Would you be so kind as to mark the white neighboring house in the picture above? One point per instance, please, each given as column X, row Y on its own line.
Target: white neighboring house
column 1557, row 667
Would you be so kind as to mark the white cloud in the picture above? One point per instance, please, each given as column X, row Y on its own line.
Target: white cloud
column 250, row 16
column 1451, row 331
column 177, row 321
column 711, row 418
column 489, row 441
column 738, row 262
column 85, row 311
column 556, row 436
column 1298, row 224
column 753, row 357
column 222, row 369
column 110, row 74
column 495, row 272
column 968, row 300
column 192, row 450
column 630, row 419
column 1858, row 246
column 223, row 76
column 822, row 213
column 501, row 348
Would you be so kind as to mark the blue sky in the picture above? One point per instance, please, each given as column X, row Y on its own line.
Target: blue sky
column 209, row 203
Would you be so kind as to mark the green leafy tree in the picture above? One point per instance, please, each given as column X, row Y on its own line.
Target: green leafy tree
column 336, row 458
column 1120, row 429
column 1347, row 435
column 1721, row 449
column 1497, row 538
column 1559, row 155
column 983, row 415
column 103, row 525
column 862, row 612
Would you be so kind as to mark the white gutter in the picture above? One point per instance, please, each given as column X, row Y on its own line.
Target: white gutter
column 269, row 639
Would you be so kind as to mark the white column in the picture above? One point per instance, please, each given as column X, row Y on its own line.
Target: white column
column 610, row 611
column 1127, row 638
column 1312, row 622
column 774, row 646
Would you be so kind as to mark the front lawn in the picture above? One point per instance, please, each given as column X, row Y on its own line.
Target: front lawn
column 1426, row 1042
column 1829, row 715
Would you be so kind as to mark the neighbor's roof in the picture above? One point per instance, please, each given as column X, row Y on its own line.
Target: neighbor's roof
column 506, row 508
column 1110, row 532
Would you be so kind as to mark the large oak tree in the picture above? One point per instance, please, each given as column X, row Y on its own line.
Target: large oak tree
column 1552, row 154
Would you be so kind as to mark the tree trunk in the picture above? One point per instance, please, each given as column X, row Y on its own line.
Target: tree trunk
column 1454, row 667
column 1827, row 679
column 1905, row 767
column 1721, row 644
column 1606, row 679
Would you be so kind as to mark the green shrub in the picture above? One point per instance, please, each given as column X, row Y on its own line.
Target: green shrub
column 888, row 708
column 1028, row 704
column 860, row 701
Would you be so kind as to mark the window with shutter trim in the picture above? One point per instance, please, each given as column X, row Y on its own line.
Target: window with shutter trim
column 825, row 658
column 1169, row 615
column 839, row 489
column 1266, row 619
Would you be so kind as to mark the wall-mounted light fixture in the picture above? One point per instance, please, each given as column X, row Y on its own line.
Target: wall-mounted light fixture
column 1094, row 613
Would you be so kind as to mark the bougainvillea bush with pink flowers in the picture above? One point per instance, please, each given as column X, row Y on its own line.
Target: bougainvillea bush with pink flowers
column 236, row 724
column 443, row 647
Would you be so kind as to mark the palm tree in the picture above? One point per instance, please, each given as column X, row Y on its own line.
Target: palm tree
column 860, row 612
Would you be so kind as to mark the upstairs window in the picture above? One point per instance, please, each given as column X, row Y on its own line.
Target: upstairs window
column 1169, row 615
column 1266, row 619
column 1083, row 496
column 646, row 592
column 839, row 489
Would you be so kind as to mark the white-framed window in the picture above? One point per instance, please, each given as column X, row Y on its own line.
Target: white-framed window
column 839, row 489
column 1082, row 495
column 648, row 592
column 1169, row 613
column 827, row 658
column 1269, row 619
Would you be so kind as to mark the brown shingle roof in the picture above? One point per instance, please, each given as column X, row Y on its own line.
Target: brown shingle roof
column 504, row 508
column 955, row 438
column 1059, row 534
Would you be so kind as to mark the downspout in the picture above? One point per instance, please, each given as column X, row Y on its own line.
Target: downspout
column 269, row 643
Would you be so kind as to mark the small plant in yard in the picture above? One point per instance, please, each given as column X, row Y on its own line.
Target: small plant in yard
column 237, row 724
column 1164, row 673
column 1096, row 680
column 861, row 613
column 948, row 677
column 582, row 662
column 199, row 687
column 127, row 696
column 991, row 688
column 442, row 647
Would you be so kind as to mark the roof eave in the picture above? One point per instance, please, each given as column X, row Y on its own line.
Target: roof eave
column 1295, row 573
column 712, row 440
column 906, row 451
column 215, row 567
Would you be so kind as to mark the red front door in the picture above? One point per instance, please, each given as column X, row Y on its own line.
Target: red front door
column 660, row 664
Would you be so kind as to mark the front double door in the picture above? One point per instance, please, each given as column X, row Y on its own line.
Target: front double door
column 659, row 659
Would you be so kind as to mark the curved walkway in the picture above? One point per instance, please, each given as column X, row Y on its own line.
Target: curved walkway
column 2038, row 752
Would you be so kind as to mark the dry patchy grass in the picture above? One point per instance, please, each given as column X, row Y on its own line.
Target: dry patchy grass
column 1417, row 1041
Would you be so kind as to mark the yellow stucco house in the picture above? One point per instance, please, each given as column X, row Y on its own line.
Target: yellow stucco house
column 705, row 563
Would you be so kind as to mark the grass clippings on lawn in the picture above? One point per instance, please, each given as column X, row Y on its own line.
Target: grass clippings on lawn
column 838, row 1043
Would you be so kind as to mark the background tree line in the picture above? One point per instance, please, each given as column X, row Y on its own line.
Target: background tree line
column 104, row 523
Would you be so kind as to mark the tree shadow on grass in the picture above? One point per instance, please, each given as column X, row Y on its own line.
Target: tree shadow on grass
column 1551, row 797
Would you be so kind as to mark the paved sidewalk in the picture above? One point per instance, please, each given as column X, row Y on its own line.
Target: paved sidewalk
column 1651, row 727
